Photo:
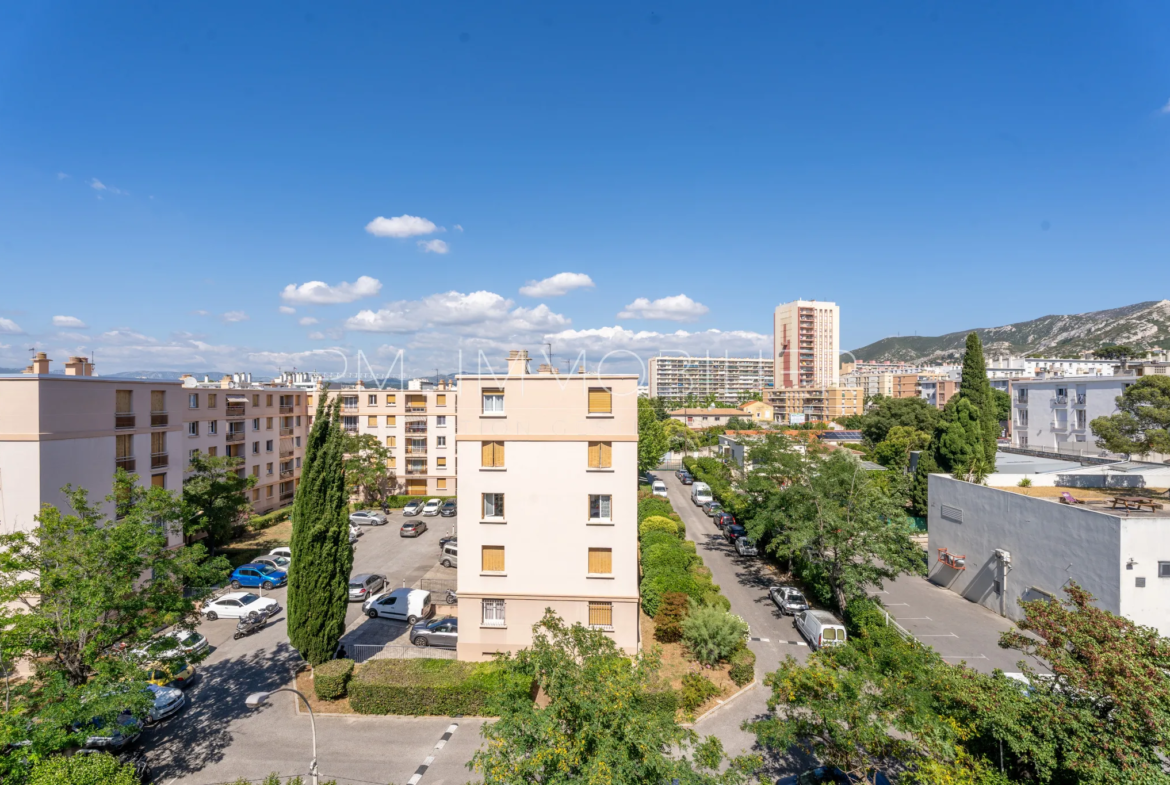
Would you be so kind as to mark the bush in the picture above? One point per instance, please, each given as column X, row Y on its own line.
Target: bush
column 424, row 687
column 661, row 699
column 712, row 633
column 331, row 678
column 260, row 522
column 743, row 666
column 668, row 621
column 696, row 690
column 657, row 523
column 715, row 599
column 653, row 587
column 667, row 557
column 653, row 505
column 98, row 769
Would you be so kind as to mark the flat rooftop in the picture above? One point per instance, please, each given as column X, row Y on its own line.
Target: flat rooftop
column 1101, row 499
column 1011, row 463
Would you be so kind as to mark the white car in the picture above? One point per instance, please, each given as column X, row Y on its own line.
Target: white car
column 432, row 507
column 284, row 551
column 167, row 701
column 176, row 643
column 658, row 488
column 237, row 604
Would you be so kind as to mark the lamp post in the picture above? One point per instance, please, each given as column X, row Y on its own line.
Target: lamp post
column 258, row 699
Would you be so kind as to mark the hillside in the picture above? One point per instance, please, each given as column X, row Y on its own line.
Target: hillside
column 1144, row 325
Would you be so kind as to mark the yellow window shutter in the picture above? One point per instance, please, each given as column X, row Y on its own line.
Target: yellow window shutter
column 391, row 462
column 308, row 400
column 499, row 454
column 606, row 453
column 600, row 614
column 159, row 480
column 372, row 421
column 390, row 420
column 125, row 401
column 441, row 399
column 600, row 401
column 493, row 558
column 600, row 561
column 594, row 455
column 441, row 463
column 158, row 400
column 488, row 454
column 441, row 483
column 390, row 400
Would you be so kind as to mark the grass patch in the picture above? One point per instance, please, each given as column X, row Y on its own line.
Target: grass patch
column 677, row 662
column 425, row 687
column 257, row 543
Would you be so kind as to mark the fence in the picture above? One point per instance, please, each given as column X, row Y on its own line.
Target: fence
column 438, row 588
column 363, row 652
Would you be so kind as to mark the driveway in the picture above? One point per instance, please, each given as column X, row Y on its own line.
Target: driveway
column 216, row 739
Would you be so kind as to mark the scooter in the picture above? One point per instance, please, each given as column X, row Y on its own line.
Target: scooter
column 452, row 597
column 249, row 624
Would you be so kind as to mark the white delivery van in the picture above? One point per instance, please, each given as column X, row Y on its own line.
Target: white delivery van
column 408, row 605
column 821, row 628
column 700, row 493
column 658, row 488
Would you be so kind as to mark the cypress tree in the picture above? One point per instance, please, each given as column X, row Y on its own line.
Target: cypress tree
column 977, row 389
column 919, row 486
column 318, row 581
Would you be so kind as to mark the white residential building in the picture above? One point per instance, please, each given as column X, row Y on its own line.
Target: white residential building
column 727, row 378
column 1053, row 413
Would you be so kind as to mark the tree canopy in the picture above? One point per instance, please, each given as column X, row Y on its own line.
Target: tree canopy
column 367, row 476
column 887, row 412
column 893, row 452
column 652, row 440
column 1142, row 423
column 215, row 496
column 1118, row 351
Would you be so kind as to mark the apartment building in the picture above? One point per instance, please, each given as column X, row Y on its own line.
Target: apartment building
column 707, row 418
column 77, row 429
column 1063, row 366
column 934, row 388
column 727, row 378
column 815, row 404
column 548, row 505
column 806, row 344
column 417, row 427
column 263, row 425
column 1054, row 413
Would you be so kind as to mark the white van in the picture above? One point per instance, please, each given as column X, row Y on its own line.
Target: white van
column 408, row 605
column 821, row 628
column 701, row 493
column 658, row 488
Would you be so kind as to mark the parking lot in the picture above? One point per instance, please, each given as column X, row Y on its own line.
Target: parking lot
column 217, row 739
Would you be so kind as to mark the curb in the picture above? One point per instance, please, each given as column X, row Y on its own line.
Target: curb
column 742, row 690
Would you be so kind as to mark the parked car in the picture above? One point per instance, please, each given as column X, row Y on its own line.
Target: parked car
column 687, row 479
column 712, row 507
column 447, row 538
column 820, row 628
column 283, row 550
column 448, row 509
column 449, row 556
column 439, row 632
column 700, row 494
column 407, row 605
column 412, row 528
column 368, row 518
column 258, row 575
column 171, row 673
column 236, row 605
column 413, row 507
column 365, row 585
column 722, row 519
column 745, row 547
column 432, row 507
column 831, row 775
column 734, row 532
column 275, row 562
column 176, row 643
column 167, row 703
column 658, row 488
column 114, row 736
column 788, row 599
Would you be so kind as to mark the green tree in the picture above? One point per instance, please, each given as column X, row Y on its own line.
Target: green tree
column 712, row 633
column 366, row 474
column 919, row 486
column 318, row 582
column 958, row 443
column 746, row 396
column 836, row 516
column 99, row 769
column 599, row 721
column 652, row 443
column 977, row 389
column 1116, row 351
column 661, row 410
column 887, row 412
column 1003, row 405
column 215, row 496
column 740, row 424
column 893, row 452
column 1142, row 422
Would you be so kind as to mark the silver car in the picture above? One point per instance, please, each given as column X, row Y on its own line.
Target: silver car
column 413, row 508
column 788, row 599
column 368, row 518
column 440, row 632
column 365, row 585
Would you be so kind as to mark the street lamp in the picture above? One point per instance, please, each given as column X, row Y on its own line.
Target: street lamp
column 258, row 699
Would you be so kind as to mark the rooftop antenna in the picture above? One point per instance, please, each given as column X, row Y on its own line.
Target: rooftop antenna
column 550, row 359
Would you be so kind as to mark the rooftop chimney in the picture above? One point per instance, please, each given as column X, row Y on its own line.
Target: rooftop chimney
column 40, row 364
column 78, row 366
column 518, row 362
column 226, row 382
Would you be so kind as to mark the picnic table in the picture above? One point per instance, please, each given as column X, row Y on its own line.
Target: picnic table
column 1135, row 503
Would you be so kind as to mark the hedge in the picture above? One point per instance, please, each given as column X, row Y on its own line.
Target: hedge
column 652, row 506
column 260, row 522
column 424, row 687
column 743, row 666
column 670, row 562
column 331, row 678
column 658, row 523
column 713, row 472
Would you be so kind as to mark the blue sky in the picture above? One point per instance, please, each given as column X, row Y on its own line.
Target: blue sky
column 169, row 170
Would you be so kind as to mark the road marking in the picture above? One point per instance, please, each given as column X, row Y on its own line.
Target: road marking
column 896, row 604
column 422, row 769
column 913, row 618
column 761, row 640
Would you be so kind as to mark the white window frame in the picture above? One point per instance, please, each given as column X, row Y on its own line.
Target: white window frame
column 193, row 400
column 372, row 399
column 441, row 421
column 212, row 427
column 498, row 510
column 440, row 441
column 496, row 400
column 255, row 423
column 493, row 613
column 193, row 428
column 604, row 506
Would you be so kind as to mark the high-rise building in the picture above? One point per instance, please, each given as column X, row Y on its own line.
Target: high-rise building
column 807, row 344
column 727, row 378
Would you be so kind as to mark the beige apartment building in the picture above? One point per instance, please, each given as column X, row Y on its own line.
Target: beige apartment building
column 806, row 344
column 727, row 378
column 77, row 429
column 548, row 505
column 417, row 427
column 815, row 404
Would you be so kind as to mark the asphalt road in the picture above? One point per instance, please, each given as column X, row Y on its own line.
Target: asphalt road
column 216, row 739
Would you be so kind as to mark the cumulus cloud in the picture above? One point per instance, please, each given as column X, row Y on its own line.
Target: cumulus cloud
column 458, row 228
column 556, row 285
column 433, row 246
column 321, row 293
column 480, row 313
column 62, row 176
column 402, row 226
column 10, row 327
column 317, row 336
column 287, row 309
column 645, row 343
column 69, row 321
column 234, row 316
column 678, row 308
column 306, row 321
column 98, row 185
column 201, row 312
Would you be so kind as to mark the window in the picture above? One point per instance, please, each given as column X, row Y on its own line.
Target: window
column 372, row 400
column 391, row 441
column 440, row 441
column 493, row 401
column 212, row 451
column 298, row 463
column 268, row 423
column 600, row 400
column 193, row 401
column 308, row 400
column 212, row 399
column 268, row 468
column 212, row 427
column 493, row 505
column 493, row 613
column 298, row 421
column 391, row 420
column 441, row 399
column 600, row 455
column 492, row 559
column 1022, row 417
column 599, row 507
column 372, row 421
column 267, row 400
column 391, row 399
column 158, row 480
column 158, row 443
column 256, row 424
column 441, row 484
column 1080, row 418
column 124, row 402
column 441, row 421
column 255, row 399
column 297, row 441
column 158, row 401
column 193, row 428
column 601, row 615
column 391, row 462
column 255, row 494
column 298, row 400
column 255, row 448
column 268, row 492
column 192, row 453
column 1164, row 569
column 256, row 470
column 268, row 446
column 1061, row 418
column 601, row 561
column 440, row 463
column 492, row 454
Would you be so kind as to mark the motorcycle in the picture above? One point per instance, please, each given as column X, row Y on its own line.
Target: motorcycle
column 249, row 624
column 452, row 597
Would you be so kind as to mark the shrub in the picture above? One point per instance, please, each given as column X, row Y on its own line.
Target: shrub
column 743, row 666
column 667, row 557
column 663, row 699
column 653, row 538
column 672, row 609
column 657, row 523
column 653, row 505
column 260, row 522
column 715, row 599
column 653, row 587
column 682, row 531
column 98, row 769
column 712, row 633
column 331, row 678
column 424, row 687
column 696, row 689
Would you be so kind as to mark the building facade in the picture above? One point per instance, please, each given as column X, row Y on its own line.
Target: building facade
column 707, row 418
column 727, row 378
column 1054, row 413
column 806, row 344
column 548, row 506
column 815, row 404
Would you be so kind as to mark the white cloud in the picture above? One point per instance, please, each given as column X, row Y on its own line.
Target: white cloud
column 402, row 226
column 125, row 337
column 458, row 228
column 433, row 246
column 69, row 321
column 678, row 308
column 10, row 327
column 316, row 336
column 98, row 185
column 305, row 321
column 62, row 176
column 287, row 309
column 1166, row 108
column 556, row 285
column 322, row 293
column 234, row 316
column 477, row 313
column 596, row 343
column 201, row 312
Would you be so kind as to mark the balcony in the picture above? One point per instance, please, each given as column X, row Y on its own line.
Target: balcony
column 286, row 409
column 235, row 436
column 159, row 419
column 1060, row 426
column 420, row 450
column 1079, row 400
column 415, row 409
column 289, row 431
column 418, row 472
column 1059, row 400
column 285, row 451
column 159, row 460
column 287, row 496
column 123, row 420
column 286, row 473
column 127, row 464
column 416, row 428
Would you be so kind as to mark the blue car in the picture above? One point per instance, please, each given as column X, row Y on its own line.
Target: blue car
column 264, row 576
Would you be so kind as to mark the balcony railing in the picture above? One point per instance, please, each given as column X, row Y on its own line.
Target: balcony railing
column 1079, row 400
column 127, row 464
column 159, row 460
column 123, row 420
column 416, row 450
column 1061, row 426
column 415, row 472
column 348, row 429
column 235, row 436
column 415, row 408
column 285, row 409
column 286, row 472
column 159, row 419
column 420, row 428
column 1060, row 400
column 287, row 496
column 235, row 411
column 287, row 431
